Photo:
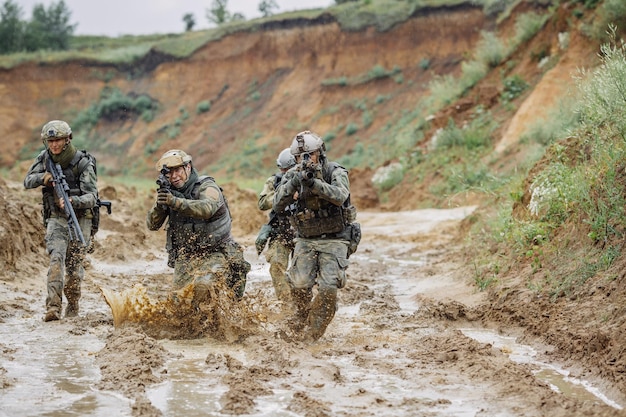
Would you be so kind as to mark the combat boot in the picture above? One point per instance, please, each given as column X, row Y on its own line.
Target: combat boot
column 322, row 312
column 53, row 299
column 301, row 298
column 72, row 309
column 201, row 295
column 51, row 315
column 72, row 293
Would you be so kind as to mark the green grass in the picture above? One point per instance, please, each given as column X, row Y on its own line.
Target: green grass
column 354, row 16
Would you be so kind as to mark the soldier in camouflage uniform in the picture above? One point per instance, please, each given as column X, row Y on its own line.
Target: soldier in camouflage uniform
column 66, row 256
column 321, row 190
column 278, row 230
column 200, row 246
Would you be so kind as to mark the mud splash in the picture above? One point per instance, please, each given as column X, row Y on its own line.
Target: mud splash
column 179, row 316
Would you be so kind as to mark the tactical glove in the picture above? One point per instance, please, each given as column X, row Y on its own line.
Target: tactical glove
column 166, row 199
column 262, row 238
column 295, row 181
column 47, row 179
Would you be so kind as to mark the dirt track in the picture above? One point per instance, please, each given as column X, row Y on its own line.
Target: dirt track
column 398, row 346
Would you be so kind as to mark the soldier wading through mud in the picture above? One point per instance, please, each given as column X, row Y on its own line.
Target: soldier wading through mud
column 66, row 255
column 326, row 235
column 200, row 246
column 278, row 230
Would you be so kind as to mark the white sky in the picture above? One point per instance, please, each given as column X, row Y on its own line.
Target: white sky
column 145, row 17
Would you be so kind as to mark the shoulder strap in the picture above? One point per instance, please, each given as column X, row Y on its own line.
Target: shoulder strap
column 81, row 160
column 329, row 168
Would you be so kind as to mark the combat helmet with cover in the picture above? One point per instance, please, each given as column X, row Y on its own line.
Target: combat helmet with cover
column 56, row 129
column 285, row 159
column 173, row 159
column 307, row 142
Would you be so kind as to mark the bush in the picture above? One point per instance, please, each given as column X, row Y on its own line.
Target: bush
column 203, row 106
column 527, row 25
column 490, row 50
column 351, row 129
column 388, row 176
column 115, row 105
column 513, row 87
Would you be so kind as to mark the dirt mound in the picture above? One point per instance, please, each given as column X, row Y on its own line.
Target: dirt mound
column 21, row 230
column 247, row 218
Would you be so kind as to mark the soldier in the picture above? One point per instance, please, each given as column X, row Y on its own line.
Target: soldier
column 322, row 220
column 66, row 255
column 200, row 246
column 278, row 230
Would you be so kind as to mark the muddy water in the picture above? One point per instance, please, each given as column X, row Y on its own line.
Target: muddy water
column 53, row 372
column 364, row 365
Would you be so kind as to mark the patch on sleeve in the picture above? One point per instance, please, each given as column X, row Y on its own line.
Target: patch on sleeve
column 212, row 193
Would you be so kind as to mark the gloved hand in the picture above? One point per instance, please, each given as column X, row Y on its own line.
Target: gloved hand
column 47, row 179
column 295, row 181
column 166, row 199
column 262, row 238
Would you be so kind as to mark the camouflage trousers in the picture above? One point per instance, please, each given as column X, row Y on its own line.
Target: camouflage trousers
column 66, row 272
column 277, row 255
column 225, row 264
column 319, row 261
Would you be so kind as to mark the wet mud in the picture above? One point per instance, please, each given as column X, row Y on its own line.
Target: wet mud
column 403, row 342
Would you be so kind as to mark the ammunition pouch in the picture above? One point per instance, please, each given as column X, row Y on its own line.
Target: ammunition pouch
column 349, row 213
column 355, row 237
column 309, row 223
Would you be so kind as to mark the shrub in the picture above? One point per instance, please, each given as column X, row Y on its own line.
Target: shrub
column 513, row 87
column 388, row 176
column 203, row 106
column 351, row 129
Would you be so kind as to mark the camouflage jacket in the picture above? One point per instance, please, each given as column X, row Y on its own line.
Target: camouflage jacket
column 82, row 183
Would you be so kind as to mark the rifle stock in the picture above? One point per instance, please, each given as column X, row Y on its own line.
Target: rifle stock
column 106, row 204
column 61, row 189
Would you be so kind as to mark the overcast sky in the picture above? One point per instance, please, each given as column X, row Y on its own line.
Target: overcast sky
column 145, row 17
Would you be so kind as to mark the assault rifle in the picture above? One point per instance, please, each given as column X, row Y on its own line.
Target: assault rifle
column 163, row 181
column 62, row 189
column 306, row 167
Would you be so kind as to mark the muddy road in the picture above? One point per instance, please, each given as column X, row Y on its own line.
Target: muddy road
column 403, row 343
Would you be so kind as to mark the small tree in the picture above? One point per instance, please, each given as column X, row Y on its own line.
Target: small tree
column 49, row 28
column 11, row 28
column 190, row 22
column 217, row 13
column 267, row 7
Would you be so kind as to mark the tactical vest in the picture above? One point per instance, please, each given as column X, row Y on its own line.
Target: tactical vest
column 316, row 217
column 187, row 236
column 72, row 176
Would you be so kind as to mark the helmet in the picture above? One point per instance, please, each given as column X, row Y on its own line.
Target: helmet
column 306, row 142
column 56, row 129
column 285, row 159
column 173, row 158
